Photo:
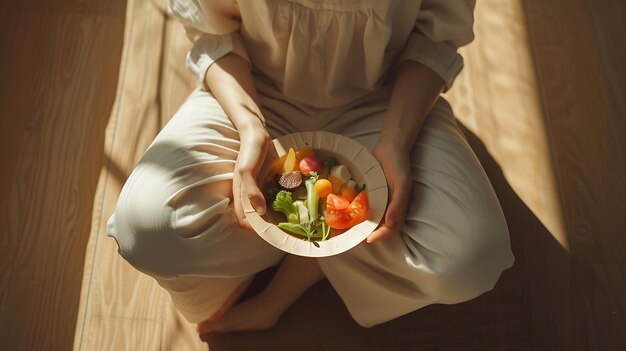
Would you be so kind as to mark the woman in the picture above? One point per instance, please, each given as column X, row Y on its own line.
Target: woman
column 372, row 70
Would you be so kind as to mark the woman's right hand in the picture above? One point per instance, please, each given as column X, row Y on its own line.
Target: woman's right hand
column 254, row 142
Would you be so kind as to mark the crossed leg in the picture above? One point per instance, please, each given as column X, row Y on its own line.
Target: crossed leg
column 174, row 218
column 453, row 247
column 174, row 222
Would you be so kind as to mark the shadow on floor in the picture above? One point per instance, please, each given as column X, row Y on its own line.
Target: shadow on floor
column 529, row 309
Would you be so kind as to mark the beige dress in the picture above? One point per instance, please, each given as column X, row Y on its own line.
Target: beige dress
column 318, row 65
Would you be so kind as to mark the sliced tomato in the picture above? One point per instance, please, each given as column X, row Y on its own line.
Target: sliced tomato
column 347, row 217
column 337, row 219
column 357, row 211
column 337, row 202
column 336, row 214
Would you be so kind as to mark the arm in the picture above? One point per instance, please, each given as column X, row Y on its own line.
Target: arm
column 427, row 67
column 415, row 91
column 230, row 81
column 219, row 60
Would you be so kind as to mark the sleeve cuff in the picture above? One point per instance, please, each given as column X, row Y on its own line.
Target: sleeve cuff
column 442, row 58
column 209, row 48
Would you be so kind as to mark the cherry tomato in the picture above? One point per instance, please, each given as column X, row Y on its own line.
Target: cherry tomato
column 343, row 218
column 323, row 187
column 310, row 164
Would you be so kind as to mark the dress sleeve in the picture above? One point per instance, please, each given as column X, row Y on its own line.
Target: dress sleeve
column 213, row 32
column 440, row 29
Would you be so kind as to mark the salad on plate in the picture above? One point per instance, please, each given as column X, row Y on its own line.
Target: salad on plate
column 314, row 197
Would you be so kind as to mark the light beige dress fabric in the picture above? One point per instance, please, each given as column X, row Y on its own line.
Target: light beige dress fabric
column 318, row 65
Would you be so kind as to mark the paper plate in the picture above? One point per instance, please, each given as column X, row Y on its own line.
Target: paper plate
column 364, row 168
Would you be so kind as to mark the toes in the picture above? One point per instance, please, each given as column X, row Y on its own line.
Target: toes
column 246, row 316
column 213, row 325
column 210, row 327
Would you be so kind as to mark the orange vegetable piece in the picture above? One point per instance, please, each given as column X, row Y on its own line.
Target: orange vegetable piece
column 349, row 193
column 336, row 183
column 277, row 165
column 304, row 152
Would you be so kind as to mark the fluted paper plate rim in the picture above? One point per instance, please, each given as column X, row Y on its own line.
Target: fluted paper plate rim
column 362, row 164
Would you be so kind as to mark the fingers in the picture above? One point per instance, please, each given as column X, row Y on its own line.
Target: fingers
column 241, row 218
column 396, row 211
column 249, row 161
column 251, row 189
column 380, row 233
column 399, row 202
column 244, row 184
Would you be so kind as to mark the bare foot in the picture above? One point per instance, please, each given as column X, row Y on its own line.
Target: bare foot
column 294, row 276
column 258, row 313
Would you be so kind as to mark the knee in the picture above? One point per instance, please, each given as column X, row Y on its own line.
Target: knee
column 140, row 237
column 475, row 264
column 150, row 232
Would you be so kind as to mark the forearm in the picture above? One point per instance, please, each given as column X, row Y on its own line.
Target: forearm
column 230, row 81
column 415, row 91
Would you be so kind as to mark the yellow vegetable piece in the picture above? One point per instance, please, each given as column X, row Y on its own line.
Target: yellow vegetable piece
column 290, row 161
column 336, row 183
column 304, row 152
column 323, row 187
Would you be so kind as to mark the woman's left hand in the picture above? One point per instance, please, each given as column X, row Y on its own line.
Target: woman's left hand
column 395, row 161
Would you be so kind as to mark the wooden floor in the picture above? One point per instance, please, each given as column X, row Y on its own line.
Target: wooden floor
column 85, row 85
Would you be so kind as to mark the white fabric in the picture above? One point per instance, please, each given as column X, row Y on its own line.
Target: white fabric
column 174, row 218
column 326, row 53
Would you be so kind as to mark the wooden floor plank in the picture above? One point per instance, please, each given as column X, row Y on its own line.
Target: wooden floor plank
column 610, row 29
column 59, row 72
column 496, row 98
column 591, row 173
column 580, row 83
